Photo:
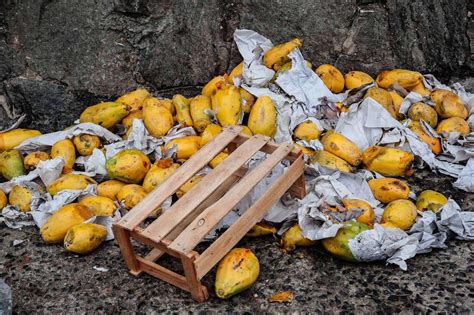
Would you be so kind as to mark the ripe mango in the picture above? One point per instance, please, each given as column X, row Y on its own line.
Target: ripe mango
column 355, row 79
column 226, row 104
column 166, row 103
column 11, row 164
column 66, row 150
column 307, row 151
column 85, row 143
column 186, row 146
column 188, row 185
column 11, row 139
column 100, row 206
column 183, row 114
column 246, row 130
column 198, row 105
column 110, row 188
column 342, row 147
column 420, row 110
column 389, row 189
column 236, row 272
column 55, row 229
column 218, row 159
column 448, row 104
column 332, row 77
column 211, row 87
column 236, row 72
column 406, row 78
column 209, row 132
column 157, row 120
column 160, row 171
column 430, row 200
column 277, row 56
column 20, row 196
column 105, row 114
column 401, row 213
column 84, row 238
column 127, row 122
column 367, row 217
column 294, row 237
column 262, row 118
column 129, row 166
column 261, row 229
column 69, row 181
column 433, row 142
column 134, row 99
column 382, row 97
column 31, row 160
column 307, row 131
column 339, row 244
column 247, row 100
column 3, row 200
column 130, row 195
column 287, row 66
column 453, row 124
column 329, row 160
column 420, row 89
column 388, row 161
column 397, row 101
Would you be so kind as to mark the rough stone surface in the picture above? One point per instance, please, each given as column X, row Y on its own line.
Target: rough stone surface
column 80, row 52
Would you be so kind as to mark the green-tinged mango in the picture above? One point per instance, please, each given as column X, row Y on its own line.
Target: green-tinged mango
column 129, row 166
column 105, row 114
column 11, row 164
column 339, row 244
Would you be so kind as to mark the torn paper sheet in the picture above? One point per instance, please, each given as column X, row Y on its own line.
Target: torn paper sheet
column 15, row 125
column 94, row 164
column 13, row 218
column 465, row 179
column 409, row 100
column 459, row 223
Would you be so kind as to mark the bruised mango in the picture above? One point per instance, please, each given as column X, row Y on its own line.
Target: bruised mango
column 66, row 150
column 329, row 160
column 355, row 79
column 3, row 199
column 211, row 87
column 247, row 100
column 12, row 138
column 127, row 122
column 31, row 160
column 183, row 114
column 70, row 181
column 389, row 189
column 209, row 132
column 11, row 164
column 294, row 237
column 110, row 188
column 367, row 217
column 332, row 77
column 236, row 72
column 186, row 146
column 100, row 206
column 430, row 200
column 157, row 120
column 55, row 229
column 166, row 103
column 226, row 104
column 198, row 107
column 262, row 119
column 382, row 97
column 84, row 238
column 160, row 171
column 261, row 229
column 432, row 142
column 388, row 161
column 339, row 244
column 20, row 196
column 448, row 104
column 307, row 131
column 405, row 78
column 453, row 124
column 105, row 114
column 218, row 159
column 188, row 185
column 401, row 213
column 342, row 147
column 129, row 166
column 420, row 110
column 277, row 56
column 130, row 195
column 134, row 99
column 236, row 272
column 85, row 143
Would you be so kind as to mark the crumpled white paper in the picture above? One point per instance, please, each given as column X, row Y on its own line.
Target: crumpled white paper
column 94, row 164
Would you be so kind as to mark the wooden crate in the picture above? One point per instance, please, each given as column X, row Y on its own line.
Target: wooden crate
column 177, row 231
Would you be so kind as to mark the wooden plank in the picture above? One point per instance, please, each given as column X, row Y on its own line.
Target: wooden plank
column 165, row 223
column 217, row 250
column 210, row 217
column 195, row 163
column 163, row 273
column 269, row 147
column 194, row 284
column 154, row 254
column 162, row 246
column 123, row 239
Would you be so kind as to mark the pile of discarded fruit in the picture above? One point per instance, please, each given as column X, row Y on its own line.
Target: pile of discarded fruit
column 75, row 182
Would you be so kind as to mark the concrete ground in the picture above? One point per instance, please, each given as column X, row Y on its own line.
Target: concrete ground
column 47, row 279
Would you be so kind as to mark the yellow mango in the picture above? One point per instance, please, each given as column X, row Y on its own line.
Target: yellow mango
column 110, row 188
column 433, row 142
column 262, row 118
column 261, row 229
column 355, row 79
column 236, row 272
column 129, row 166
column 105, row 114
column 367, row 217
column 157, row 120
column 69, row 181
column 246, row 130
column 84, row 238
column 430, row 200
column 401, row 213
column 247, row 100
column 448, row 104
column 294, row 237
column 127, row 122
column 55, row 229
column 66, row 150
column 339, row 244
column 166, row 103
column 277, row 56
column 307, row 131
column 388, row 161
column 134, row 99
column 160, row 171
column 308, row 151
column 100, row 206
column 218, row 159
column 406, row 78
column 188, row 185
column 20, row 196
column 11, row 139
column 130, row 195
column 85, row 143
column 420, row 110
column 226, row 104
column 287, row 66
column 236, row 72
column 389, row 189
column 342, row 147
column 397, row 101
column 453, row 124
column 209, row 132
column 210, row 88
column 382, row 97
column 420, row 89
column 3, row 199
column 11, row 164
column 183, row 114
column 329, row 160
column 198, row 105
column 31, row 160
column 332, row 77
column 186, row 146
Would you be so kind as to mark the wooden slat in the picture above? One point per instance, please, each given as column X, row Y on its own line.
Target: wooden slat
column 255, row 213
column 195, row 286
column 210, row 217
column 165, row 223
column 195, row 163
column 269, row 147
column 163, row 273
column 162, row 246
column 122, row 237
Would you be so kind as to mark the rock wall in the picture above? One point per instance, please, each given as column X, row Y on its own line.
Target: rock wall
column 58, row 56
